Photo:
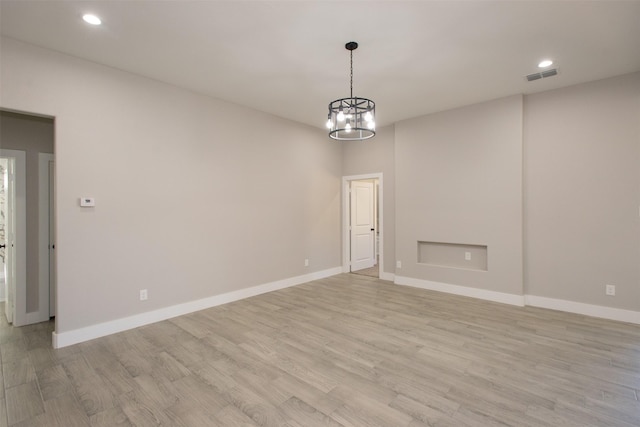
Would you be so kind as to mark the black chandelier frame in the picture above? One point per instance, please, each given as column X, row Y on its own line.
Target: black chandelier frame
column 352, row 118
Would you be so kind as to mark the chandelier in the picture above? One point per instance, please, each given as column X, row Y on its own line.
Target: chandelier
column 353, row 118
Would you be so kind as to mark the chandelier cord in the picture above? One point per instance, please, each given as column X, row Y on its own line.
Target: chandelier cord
column 351, row 76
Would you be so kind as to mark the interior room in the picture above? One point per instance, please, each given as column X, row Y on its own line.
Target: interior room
column 193, row 234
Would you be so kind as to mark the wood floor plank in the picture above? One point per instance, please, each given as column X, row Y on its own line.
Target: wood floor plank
column 360, row 408
column 53, row 381
column 142, row 411
column 65, row 411
column 91, row 390
column 233, row 417
column 18, row 372
column 116, row 378
column 23, row 402
column 3, row 413
column 305, row 414
column 112, row 417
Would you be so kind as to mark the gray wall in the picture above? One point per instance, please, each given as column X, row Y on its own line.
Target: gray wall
column 582, row 192
column 374, row 156
column 459, row 181
column 33, row 135
column 194, row 197
column 550, row 182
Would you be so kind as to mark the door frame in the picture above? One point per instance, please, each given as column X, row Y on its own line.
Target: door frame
column 20, row 214
column 44, row 240
column 346, row 211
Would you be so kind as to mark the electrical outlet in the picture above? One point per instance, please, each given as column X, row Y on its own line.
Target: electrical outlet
column 610, row 290
column 467, row 256
column 306, row 262
column 143, row 295
column 398, row 264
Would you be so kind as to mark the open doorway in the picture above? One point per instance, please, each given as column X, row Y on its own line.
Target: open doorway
column 13, row 235
column 27, row 153
column 362, row 224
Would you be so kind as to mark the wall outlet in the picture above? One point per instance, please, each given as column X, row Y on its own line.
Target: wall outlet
column 467, row 256
column 306, row 262
column 143, row 295
column 610, row 290
column 398, row 264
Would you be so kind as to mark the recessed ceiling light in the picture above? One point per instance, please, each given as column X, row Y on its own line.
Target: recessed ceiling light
column 545, row 63
column 91, row 19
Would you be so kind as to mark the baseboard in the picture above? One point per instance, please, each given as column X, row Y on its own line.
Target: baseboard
column 387, row 276
column 76, row 336
column 600, row 311
column 484, row 294
column 603, row 312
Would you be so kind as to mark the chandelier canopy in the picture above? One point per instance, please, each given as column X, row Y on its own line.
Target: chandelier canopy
column 353, row 118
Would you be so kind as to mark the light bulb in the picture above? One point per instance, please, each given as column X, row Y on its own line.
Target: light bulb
column 545, row 63
column 347, row 128
column 368, row 116
column 371, row 124
column 340, row 115
column 91, row 19
column 329, row 124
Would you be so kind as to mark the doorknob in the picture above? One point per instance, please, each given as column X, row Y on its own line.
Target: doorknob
column 3, row 246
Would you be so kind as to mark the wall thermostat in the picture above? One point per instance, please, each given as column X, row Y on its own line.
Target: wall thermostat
column 87, row 202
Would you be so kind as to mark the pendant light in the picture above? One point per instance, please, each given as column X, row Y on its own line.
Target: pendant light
column 353, row 118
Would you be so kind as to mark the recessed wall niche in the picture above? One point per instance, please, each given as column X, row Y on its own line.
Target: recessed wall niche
column 453, row 255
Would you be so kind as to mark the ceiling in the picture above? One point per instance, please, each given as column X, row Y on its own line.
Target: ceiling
column 288, row 58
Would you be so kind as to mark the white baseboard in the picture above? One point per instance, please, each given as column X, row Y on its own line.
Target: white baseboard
column 586, row 309
column 76, row 336
column 387, row 276
column 600, row 311
column 484, row 294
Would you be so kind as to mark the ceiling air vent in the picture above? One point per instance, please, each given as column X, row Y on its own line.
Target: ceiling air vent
column 542, row 74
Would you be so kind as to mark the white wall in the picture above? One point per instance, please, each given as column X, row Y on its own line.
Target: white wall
column 459, row 180
column 582, row 192
column 195, row 197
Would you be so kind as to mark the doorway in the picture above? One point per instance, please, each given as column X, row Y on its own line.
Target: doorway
column 27, row 144
column 362, row 214
column 13, row 244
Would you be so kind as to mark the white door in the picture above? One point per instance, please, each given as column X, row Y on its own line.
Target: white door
column 9, row 243
column 3, row 227
column 52, row 247
column 15, row 237
column 362, row 225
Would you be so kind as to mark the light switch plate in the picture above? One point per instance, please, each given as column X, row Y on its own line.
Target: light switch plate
column 87, row 202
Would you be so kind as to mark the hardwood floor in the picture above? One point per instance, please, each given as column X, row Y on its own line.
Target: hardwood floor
column 371, row 271
column 344, row 351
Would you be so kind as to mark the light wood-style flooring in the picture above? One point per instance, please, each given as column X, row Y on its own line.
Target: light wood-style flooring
column 344, row 351
column 371, row 271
